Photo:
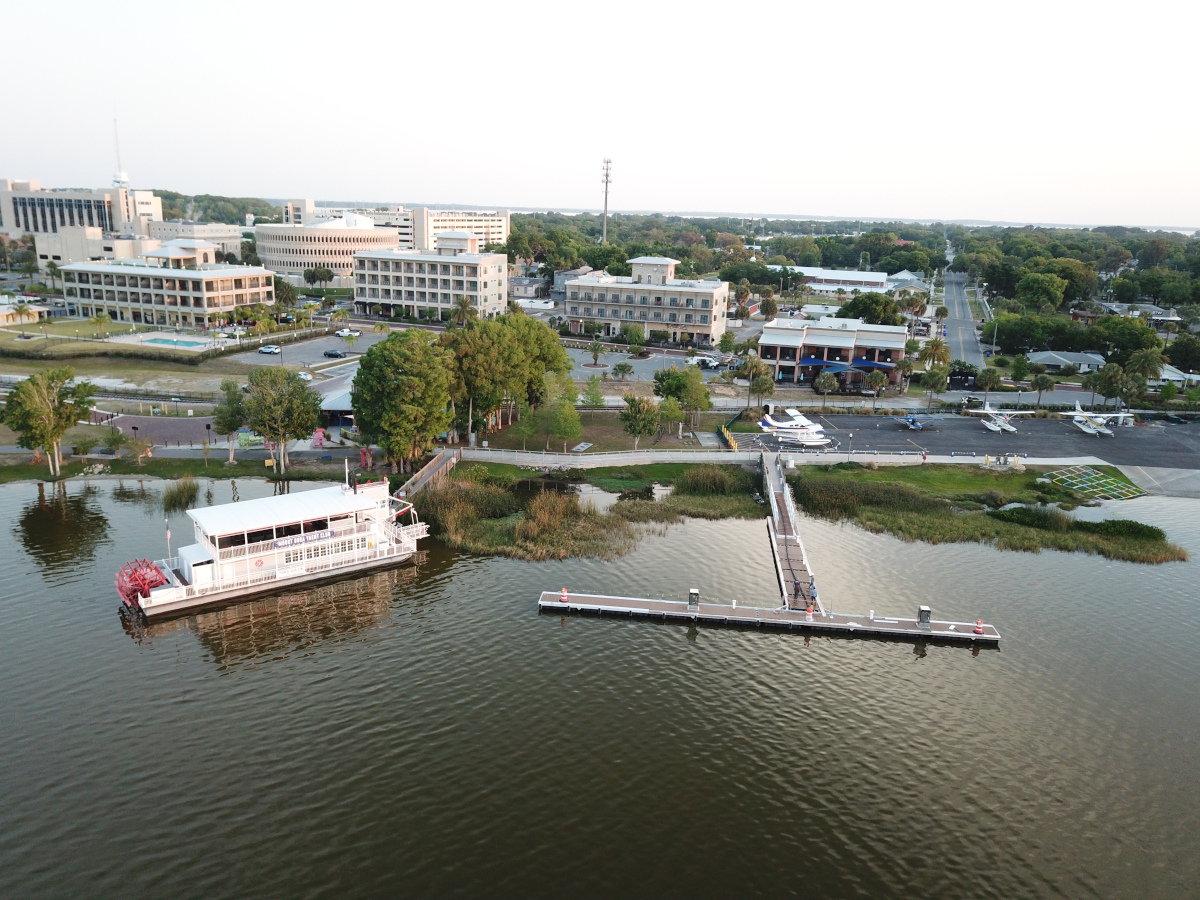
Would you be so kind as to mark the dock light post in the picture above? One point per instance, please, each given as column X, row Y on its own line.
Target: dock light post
column 176, row 401
column 851, row 450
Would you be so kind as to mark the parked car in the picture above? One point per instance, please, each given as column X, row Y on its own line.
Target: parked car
column 304, row 376
column 336, row 354
column 270, row 348
column 348, row 332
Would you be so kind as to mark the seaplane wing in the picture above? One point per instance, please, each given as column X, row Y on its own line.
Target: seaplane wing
column 915, row 423
column 987, row 410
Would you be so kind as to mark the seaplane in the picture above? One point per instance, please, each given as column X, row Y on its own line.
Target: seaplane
column 794, row 422
column 997, row 421
column 1098, row 423
column 915, row 423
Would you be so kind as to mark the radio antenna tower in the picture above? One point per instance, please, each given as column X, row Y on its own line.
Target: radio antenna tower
column 606, row 180
column 120, row 179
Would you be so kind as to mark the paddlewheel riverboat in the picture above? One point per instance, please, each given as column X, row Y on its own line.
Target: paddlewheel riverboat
column 275, row 542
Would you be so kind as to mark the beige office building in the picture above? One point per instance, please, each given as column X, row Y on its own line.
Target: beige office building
column 688, row 312
column 177, row 284
column 429, row 283
column 27, row 208
column 328, row 242
column 81, row 244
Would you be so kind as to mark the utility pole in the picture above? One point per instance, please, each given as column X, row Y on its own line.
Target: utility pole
column 606, row 181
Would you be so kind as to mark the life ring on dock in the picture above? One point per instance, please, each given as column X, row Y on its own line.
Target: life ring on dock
column 258, row 563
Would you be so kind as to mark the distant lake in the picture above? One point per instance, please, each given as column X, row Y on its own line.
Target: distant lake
column 424, row 732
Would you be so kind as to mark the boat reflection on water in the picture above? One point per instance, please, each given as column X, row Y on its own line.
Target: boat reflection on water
column 278, row 625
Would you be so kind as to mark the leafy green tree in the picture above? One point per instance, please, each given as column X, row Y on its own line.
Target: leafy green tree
column 639, row 418
column 823, row 384
column 695, row 398
column 1041, row 384
column 1020, row 367
column 526, row 425
column 593, row 396
column 229, row 414
column 726, row 342
column 401, row 394
column 873, row 308
column 1036, row 289
column 912, row 347
column 1168, row 392
column 622, row 370
column 43, row 407
column 987, row 381
column 116, row 441
column 769, row 307
column 281, row 407
column 565, row 422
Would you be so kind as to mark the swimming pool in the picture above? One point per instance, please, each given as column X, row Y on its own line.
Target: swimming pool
column 173, row 343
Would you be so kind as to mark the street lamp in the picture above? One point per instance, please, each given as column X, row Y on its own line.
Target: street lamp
column 176, row 401
column 851, row 450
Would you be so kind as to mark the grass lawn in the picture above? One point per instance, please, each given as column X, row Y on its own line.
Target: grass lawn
column 9, row 438
column 601, row 429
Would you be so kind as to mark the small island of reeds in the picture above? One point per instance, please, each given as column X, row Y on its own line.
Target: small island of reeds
column 503, row 511
column 970, row 504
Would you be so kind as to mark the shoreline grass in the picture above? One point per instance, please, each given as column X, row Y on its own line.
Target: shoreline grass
column 924, row 504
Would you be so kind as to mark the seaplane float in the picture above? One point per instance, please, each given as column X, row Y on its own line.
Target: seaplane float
column 996, row 421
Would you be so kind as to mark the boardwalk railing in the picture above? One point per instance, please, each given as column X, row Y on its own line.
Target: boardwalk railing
column 544, row 459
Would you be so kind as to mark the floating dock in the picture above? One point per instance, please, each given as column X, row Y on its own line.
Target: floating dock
column 800, row 609
column 787, row 619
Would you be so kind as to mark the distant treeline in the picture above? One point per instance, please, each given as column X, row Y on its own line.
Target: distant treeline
column 212, row 208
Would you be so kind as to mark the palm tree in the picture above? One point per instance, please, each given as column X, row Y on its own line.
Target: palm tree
column 597, row 350
column 338, row 315
column 1091, row 382
column 1171, row 328
column 622, row 370
column 21, row 310
column 53, row 271
column 381, row 328
column 1041, row 383
column 1148, row 363
column 825, row 382
column 936, row 352
column 752, row 368
column 463, row 311
column 905, row 367
column 935, row 380
column 988, row 380
column 875, row 381
column 101, row 320
column 942, row 314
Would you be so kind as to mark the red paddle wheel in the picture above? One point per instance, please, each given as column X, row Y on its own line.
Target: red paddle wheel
column 135, row 579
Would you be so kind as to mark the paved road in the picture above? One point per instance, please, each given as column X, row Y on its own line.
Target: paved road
column 1172, row 446
column 960, row 327
column 307, row 353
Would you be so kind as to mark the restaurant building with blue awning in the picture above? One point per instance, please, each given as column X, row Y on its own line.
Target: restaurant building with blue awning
column 798, row 350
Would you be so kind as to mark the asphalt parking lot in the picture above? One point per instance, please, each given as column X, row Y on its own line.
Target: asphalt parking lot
column 1169, row 446
column 307, row 353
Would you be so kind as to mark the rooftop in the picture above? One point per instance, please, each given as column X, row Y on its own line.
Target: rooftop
column 430, row 255
column 602, row 278
column 304, row 506
column 654, row 261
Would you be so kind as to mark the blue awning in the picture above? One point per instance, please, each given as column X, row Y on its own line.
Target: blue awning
column 839, row 368
column 868, row 364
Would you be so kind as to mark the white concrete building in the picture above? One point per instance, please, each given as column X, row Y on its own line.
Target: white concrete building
column 831, row 281
column 688, row 312
column 298, row 212
column 177, row 284
column 81, row 243
column 227, row 237
column 289, row 249
column 27, row 208
column 489, row 227
column 429, row 283
column 383, row 216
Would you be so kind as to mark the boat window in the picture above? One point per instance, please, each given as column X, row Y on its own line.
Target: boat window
column 231, row 540
column 316, row 525
column 287, row 530
column 334, row 520
column 265, row 534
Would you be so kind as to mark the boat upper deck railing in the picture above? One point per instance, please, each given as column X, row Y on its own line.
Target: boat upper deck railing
column 271, row 545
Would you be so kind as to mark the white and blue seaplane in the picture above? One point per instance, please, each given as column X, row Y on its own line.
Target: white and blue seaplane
column 915, row 423
column 997, row 421
column 794, row 428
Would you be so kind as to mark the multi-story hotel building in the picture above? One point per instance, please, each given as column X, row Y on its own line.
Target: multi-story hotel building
column 177, row 284
column 798, row 350
column 415, row 282
column 832, row 282
column 428, row 224
column 27, row 208
column 289, row 249
column 688, row 311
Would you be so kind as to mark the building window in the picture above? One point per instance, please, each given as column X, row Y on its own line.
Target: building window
column 687, row 317
column 703, row 319
column 574, row 295
column 673, row 317
column 706, row 303
column 658, row 315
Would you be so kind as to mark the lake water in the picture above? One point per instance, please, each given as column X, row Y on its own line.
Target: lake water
column 425, row 732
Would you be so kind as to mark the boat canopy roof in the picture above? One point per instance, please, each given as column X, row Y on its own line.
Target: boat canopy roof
column 303, row 506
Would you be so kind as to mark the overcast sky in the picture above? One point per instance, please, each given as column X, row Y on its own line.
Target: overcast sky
column 1029, row 112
